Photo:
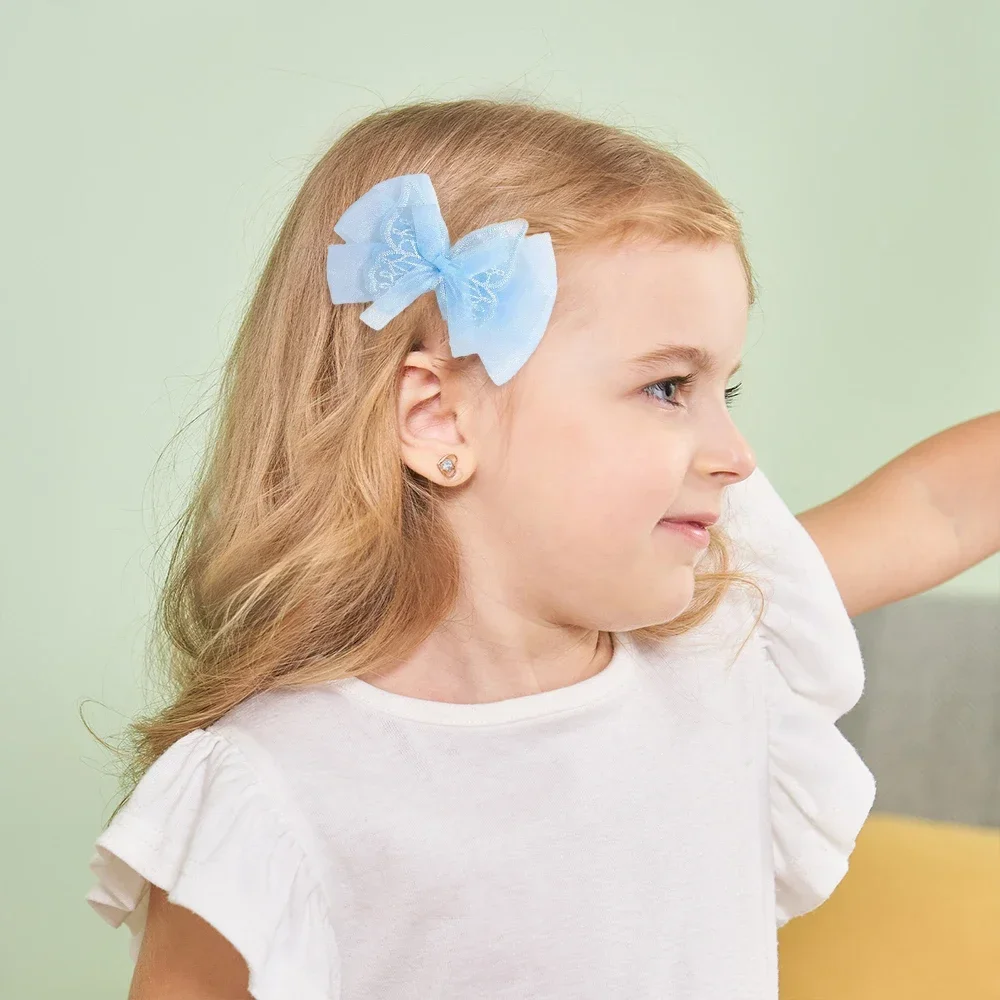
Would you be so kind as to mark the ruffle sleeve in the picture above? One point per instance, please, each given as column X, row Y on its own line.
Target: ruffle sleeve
column 820, row 790
column 202, row 826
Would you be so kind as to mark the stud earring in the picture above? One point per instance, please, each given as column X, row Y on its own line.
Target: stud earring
column 449, row 465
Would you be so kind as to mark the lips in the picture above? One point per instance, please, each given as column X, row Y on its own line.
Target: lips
column 691, row 531
column 703, row 520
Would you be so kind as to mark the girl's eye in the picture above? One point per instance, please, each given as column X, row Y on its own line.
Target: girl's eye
column 661, row 390
column 681, row 382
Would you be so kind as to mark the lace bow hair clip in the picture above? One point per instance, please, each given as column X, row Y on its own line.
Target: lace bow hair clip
column 495, row 287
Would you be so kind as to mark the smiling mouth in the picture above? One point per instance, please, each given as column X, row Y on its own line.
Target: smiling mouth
column 691, row 531
column 704, row 518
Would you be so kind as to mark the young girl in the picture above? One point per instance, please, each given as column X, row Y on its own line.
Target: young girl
column 498, row 668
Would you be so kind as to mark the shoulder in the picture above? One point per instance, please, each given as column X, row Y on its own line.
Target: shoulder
column 283, row 732
column 280, row 710
column 821, row 791
column 806, row 626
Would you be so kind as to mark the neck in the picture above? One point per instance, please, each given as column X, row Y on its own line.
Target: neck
column 469, row 661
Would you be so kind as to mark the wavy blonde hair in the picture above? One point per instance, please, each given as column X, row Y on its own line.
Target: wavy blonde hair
column 309, row 551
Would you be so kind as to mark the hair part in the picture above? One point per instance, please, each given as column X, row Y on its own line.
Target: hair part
column 309, row 551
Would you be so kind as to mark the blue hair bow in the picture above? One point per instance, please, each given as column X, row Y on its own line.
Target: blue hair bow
column 495, row 287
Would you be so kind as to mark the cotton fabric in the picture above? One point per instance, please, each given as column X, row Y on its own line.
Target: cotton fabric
column 639, row 834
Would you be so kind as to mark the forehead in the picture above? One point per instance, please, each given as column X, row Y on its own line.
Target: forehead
column 628, row 300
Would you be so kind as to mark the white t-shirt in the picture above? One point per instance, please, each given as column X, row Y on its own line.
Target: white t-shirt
column 639, row 834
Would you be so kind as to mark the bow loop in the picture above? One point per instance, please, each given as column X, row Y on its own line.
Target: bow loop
column 495, row 287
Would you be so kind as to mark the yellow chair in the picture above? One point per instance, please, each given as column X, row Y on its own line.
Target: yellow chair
column 917, row 917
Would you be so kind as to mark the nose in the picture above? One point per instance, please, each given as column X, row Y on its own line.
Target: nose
column 726, row 455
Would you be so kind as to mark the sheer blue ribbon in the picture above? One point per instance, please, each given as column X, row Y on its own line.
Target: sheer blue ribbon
column 495, row 287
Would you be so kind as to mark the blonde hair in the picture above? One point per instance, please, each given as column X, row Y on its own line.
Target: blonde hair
column 309, row 551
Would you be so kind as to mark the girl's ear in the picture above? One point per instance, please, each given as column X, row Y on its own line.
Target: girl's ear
column 430, row 426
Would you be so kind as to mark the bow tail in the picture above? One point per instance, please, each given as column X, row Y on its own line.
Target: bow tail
column 348, row 276
column 391, row 302
column 507, row 338
column 346, row 269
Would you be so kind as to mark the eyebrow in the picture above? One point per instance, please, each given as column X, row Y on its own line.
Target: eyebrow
column 701, row 360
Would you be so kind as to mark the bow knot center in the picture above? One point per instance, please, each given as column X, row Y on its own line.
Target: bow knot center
column 444, row 263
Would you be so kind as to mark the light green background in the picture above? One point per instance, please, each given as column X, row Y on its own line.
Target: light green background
column 149, row 153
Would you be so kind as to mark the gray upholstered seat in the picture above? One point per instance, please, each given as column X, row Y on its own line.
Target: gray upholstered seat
column 928, row 723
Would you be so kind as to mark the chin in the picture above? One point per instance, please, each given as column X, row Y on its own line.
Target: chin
column 656, row 607
column 675, row 599
column 672, row 609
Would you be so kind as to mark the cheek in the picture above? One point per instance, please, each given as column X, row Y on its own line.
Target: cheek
column 599, row 475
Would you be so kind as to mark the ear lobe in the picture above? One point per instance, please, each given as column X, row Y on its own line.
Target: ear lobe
column 431, row 441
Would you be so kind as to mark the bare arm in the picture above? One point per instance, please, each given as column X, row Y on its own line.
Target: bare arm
column 184, row 958
column 919, row 520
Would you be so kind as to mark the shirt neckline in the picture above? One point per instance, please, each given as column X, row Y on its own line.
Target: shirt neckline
column 529, row 706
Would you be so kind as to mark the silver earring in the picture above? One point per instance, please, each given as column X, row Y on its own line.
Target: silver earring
column 449, row 465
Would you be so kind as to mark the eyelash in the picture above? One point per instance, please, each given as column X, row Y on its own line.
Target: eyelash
column 682, row 382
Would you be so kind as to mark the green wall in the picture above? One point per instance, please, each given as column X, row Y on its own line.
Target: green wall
column 150, row 151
